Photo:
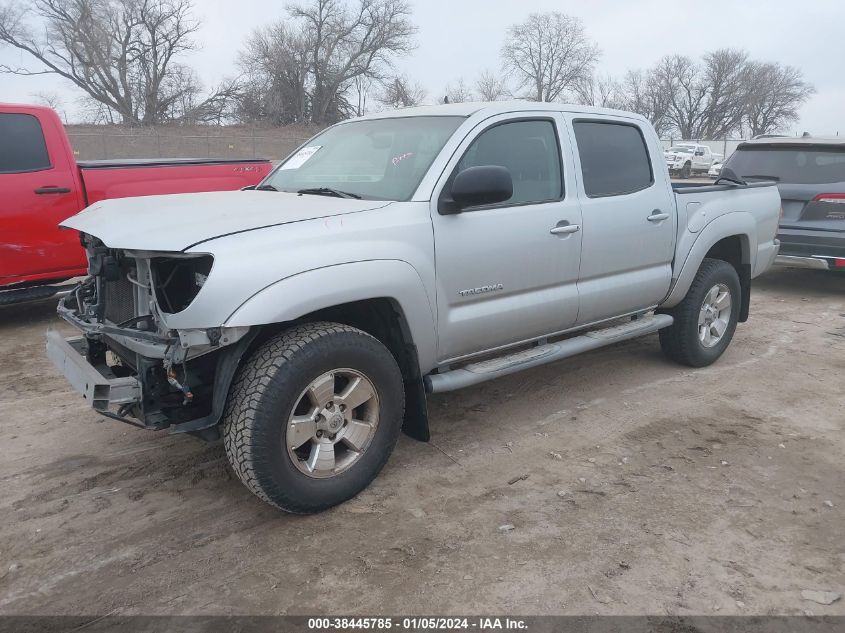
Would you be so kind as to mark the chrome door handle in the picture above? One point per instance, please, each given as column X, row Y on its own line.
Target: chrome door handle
column 565, row 228
column 657, row 216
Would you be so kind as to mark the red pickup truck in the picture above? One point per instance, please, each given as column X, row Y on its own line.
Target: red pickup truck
column 41, row 184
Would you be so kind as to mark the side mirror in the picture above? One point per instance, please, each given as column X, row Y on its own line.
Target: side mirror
column 475, row 186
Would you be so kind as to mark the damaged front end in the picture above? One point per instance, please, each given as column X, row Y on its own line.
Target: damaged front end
column 128, row 363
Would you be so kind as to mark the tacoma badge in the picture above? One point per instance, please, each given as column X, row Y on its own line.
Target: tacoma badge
column 478, row 291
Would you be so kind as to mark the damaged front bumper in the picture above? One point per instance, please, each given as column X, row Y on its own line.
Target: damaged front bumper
column 99, row 386
column 154, row 378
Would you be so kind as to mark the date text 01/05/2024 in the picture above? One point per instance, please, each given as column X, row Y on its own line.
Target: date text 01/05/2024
column 417, row 623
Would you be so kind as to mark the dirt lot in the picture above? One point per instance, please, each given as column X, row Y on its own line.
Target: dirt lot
column 650, row 489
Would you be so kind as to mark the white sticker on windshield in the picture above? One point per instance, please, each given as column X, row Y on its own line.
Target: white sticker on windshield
column 298, row 160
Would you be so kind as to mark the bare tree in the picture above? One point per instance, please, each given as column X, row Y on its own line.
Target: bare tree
column 122, row 53
column 400, row 92
column 51, row 100
column 708, row 100
column 458, row 92
column 347, row 43
column 641, row 93
column 217, row 108
column 549, row 53
column 679, row 81
column 362, row 86
column 727, row 75
column 276, row 68
column 776, row 94
column 602, row 91
column 490, row 86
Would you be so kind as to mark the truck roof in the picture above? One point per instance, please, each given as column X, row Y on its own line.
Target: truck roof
column 24, row 106
column 492, row 108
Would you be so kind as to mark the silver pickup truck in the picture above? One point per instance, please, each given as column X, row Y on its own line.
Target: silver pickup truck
column 395, row 255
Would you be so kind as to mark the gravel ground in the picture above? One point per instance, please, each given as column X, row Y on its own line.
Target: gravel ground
column 615, row 482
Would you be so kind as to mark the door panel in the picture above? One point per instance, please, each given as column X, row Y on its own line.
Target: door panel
column 629, row 221
column 702, row 162
column 38, row 193
column 502, row 276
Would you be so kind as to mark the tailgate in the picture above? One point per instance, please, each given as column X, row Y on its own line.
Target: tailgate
column 813, row 207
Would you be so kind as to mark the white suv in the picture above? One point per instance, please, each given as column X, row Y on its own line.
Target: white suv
column 687, row 159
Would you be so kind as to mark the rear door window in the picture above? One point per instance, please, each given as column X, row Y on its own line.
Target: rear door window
column 614, row 158
column 22, row 144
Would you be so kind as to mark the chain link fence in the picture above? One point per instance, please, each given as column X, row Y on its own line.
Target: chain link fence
column 92, row 142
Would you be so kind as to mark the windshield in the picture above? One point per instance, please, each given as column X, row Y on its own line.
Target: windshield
column 681, row 148
column 379, row 159
column 795, row 165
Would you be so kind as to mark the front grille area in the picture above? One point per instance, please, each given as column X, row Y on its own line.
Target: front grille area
column 120, row 300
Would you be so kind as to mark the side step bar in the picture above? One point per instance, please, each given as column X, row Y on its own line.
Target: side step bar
column 482, row 371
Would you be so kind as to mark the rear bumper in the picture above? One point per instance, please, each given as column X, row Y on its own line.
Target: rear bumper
column 819, row 250
column 817, row 263
column 97, row 387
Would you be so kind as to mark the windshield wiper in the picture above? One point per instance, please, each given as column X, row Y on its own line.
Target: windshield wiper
column 265, row 188
column 328, row 191
column 762, row 177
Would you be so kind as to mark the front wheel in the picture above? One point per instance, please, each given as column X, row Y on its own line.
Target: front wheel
column 706, row 319
column 313, row 415
column 686, row 170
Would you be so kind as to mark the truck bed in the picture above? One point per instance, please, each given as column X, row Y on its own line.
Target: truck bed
column 162, row 162
column 104, row 179
column 746, row 208
column 697, row 187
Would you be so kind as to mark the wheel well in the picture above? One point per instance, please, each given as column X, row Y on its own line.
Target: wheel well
column 382, row 318
column 734, row 250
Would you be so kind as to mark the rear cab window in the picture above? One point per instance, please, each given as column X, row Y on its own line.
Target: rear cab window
column 22, row 144
column 614, row 158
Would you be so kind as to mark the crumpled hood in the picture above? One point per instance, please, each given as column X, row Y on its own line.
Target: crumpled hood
column 179, row 221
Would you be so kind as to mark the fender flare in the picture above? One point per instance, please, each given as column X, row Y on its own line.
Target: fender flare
column 302, row 293
column 728, row 225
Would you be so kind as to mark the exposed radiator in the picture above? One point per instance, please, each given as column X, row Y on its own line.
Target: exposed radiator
column 120, row 300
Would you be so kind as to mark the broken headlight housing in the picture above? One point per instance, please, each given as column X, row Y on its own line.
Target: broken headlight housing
column 178, row 280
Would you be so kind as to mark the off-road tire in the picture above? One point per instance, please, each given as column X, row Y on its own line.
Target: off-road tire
column 680, row 342
column 264, row 392
column 686, row 170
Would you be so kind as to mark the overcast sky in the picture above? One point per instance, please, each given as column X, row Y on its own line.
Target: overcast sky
column 459, row 38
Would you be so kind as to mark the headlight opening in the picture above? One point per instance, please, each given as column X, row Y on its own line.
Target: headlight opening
column 178, row 280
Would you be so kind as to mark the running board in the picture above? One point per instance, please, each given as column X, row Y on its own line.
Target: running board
column 482, row 371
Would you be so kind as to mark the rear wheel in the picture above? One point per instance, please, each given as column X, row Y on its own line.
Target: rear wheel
column 706, row 319
column 313, row 416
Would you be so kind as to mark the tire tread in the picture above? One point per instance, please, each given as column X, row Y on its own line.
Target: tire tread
column 250, row 388
column 674, row 340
